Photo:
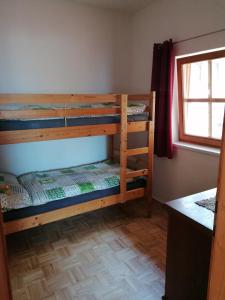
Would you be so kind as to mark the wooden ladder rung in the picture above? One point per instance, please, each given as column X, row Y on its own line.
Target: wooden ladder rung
column 138, row 173
column 137, row 151
column 134, row 194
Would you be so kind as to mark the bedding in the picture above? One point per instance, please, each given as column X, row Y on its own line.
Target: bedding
column 47, row 186
column 15, row 196
column 133, row 108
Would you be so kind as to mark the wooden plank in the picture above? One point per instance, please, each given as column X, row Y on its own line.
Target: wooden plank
column 137, row 126
column 54, row 113
column 33, row 135
column 201, row 57
column 137, row 151
column 5, row 291
column 151, row 133
column 210, row 99
column 56, row 98
column 123, row 146
column 31, row 114
column 200, row 140
column 135, row 194
column 67, row 98
column 138, row 173
column 216, row 288
column 6, row 98
column 45, row 134
column 180, row 100
column 152, row 100
column 73, row 210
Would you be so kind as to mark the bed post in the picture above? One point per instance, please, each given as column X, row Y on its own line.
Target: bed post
column 151, row 131
column 123, row 146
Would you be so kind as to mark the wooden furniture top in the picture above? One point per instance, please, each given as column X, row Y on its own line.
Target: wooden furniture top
column 187, row 207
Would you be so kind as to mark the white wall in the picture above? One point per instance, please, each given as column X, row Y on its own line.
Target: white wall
column 189, row 171
column 176, row 19
column 59, row 46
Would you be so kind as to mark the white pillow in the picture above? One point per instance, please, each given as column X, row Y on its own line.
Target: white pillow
column 16, row 196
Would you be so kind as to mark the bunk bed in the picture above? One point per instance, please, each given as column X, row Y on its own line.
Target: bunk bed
column 41, row 117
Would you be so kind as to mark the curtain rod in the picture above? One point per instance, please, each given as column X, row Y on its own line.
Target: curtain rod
column 199, row 36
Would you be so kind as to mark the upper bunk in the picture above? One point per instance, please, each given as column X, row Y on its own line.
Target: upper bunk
column 41, row 117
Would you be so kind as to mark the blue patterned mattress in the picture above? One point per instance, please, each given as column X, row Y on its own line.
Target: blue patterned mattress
column 9, row 125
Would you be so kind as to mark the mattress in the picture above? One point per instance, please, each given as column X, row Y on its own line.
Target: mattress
column 35, row 210
column 10, row 125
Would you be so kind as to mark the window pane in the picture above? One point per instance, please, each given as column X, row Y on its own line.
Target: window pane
column 197, row 118
column 218, row 78
column 195, row 78
column 217, row 119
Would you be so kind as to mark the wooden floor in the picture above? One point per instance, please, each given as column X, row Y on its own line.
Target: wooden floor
column 107, row 255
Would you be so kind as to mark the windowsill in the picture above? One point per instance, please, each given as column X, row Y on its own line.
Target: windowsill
column 197, row 148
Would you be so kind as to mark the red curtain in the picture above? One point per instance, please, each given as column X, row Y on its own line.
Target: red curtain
column 162, row 83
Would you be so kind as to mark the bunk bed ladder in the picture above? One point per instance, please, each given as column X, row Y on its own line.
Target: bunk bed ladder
column 125, row 153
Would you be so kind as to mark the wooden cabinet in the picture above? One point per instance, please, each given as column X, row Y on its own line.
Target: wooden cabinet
column 190, row 231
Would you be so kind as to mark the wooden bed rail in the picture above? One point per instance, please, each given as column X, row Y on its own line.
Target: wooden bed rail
column 44, row 134
column 67, row 98
column 35, row 135
column 70, row 211
column 56, row 98
column 65, row 111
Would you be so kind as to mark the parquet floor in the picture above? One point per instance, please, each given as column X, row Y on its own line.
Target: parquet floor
column 103, row 255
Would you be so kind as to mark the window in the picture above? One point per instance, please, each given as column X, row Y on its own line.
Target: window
column 201, row 90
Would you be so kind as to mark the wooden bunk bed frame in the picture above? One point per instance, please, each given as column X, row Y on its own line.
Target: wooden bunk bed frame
column 122, row 128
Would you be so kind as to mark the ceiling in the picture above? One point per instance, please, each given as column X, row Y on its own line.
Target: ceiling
column 123, row 5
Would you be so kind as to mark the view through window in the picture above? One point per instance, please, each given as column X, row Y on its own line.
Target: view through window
column 201, row 84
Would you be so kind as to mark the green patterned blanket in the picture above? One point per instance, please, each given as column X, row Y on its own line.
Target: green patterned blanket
column 58, row 184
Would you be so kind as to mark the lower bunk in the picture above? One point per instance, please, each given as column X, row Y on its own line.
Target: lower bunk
column 45, row 194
